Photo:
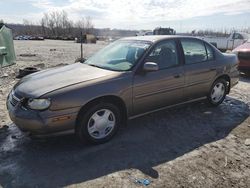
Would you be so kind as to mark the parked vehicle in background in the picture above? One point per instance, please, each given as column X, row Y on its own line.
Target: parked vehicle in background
column 19, row 38
column 243, row 52
column 144, row 33
column 164, row 31
column 36, row 38
column 228, row 43
column 22, row 37
column 157, row 31
column 86, row 38
column 27, row 37
column 128, row 78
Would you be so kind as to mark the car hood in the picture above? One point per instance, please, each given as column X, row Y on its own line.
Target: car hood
column 42, row 82
column 243, row 48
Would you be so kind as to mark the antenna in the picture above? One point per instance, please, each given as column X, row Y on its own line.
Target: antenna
column 81, row 38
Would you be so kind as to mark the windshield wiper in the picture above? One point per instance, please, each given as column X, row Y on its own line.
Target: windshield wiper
column 106, row 68
column 93, row 65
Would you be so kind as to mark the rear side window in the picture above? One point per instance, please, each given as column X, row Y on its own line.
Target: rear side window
column 194, row 51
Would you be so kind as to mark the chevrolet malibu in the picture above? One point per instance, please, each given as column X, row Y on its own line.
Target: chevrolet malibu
column 128, row 78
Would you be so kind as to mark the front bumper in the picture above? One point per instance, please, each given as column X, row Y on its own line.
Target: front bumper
column 42, row 122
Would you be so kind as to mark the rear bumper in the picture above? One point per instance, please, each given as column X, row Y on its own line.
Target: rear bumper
column 42, row 122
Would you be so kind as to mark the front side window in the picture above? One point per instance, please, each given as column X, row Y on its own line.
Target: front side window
column 194, row 51
column 164, row 54
column 119, row 56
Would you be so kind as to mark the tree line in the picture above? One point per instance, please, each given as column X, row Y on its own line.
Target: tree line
column 218, row 33
column 55, row 25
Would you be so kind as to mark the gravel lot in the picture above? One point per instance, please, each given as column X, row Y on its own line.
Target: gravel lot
column 191, row 145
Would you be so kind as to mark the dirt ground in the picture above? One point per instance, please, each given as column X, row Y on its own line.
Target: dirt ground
column 192, row 145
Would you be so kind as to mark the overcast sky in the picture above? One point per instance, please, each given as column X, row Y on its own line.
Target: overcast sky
column 182, row 15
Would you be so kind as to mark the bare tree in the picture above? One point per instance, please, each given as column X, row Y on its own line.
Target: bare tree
column 28, row 27
column 80, row 24
column 44, row 23
column 85, row 25
column 89, row 25
column 58, row 23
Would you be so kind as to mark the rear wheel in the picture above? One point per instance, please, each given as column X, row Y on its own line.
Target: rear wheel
column 217, row 92
column 99, row 124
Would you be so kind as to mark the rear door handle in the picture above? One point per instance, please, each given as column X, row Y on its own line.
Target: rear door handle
column 177, row 76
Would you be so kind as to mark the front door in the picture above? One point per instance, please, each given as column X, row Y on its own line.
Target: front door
column 152, row 90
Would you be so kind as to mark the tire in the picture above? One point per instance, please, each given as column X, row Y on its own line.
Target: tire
column 92, row 126
column 26, row 71
column 221, row 87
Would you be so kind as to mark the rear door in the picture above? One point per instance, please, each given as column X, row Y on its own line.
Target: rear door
column 152, row 90
column 199, row 67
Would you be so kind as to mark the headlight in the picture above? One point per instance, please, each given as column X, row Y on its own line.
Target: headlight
column 38, row 104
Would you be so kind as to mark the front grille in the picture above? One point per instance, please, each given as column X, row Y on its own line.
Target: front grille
column 14, row 100
column 244, row 55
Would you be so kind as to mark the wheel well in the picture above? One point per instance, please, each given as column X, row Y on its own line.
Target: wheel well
column 110, row 99
column 227, row 78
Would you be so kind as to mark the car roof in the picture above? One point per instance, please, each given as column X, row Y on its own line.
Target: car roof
column 156, row 38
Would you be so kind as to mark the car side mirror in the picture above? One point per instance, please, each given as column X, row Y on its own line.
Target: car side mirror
column 150, row 67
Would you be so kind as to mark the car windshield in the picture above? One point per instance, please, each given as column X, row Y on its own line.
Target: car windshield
column 119, row 56
column 246, row 36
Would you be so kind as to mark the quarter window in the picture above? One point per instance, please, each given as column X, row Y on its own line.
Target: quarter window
column 237, row 36
column 164, row 54
column 210, row 52
column 194, row 51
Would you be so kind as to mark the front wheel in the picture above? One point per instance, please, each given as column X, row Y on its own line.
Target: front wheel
column 99, row 124
column 217, row 92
